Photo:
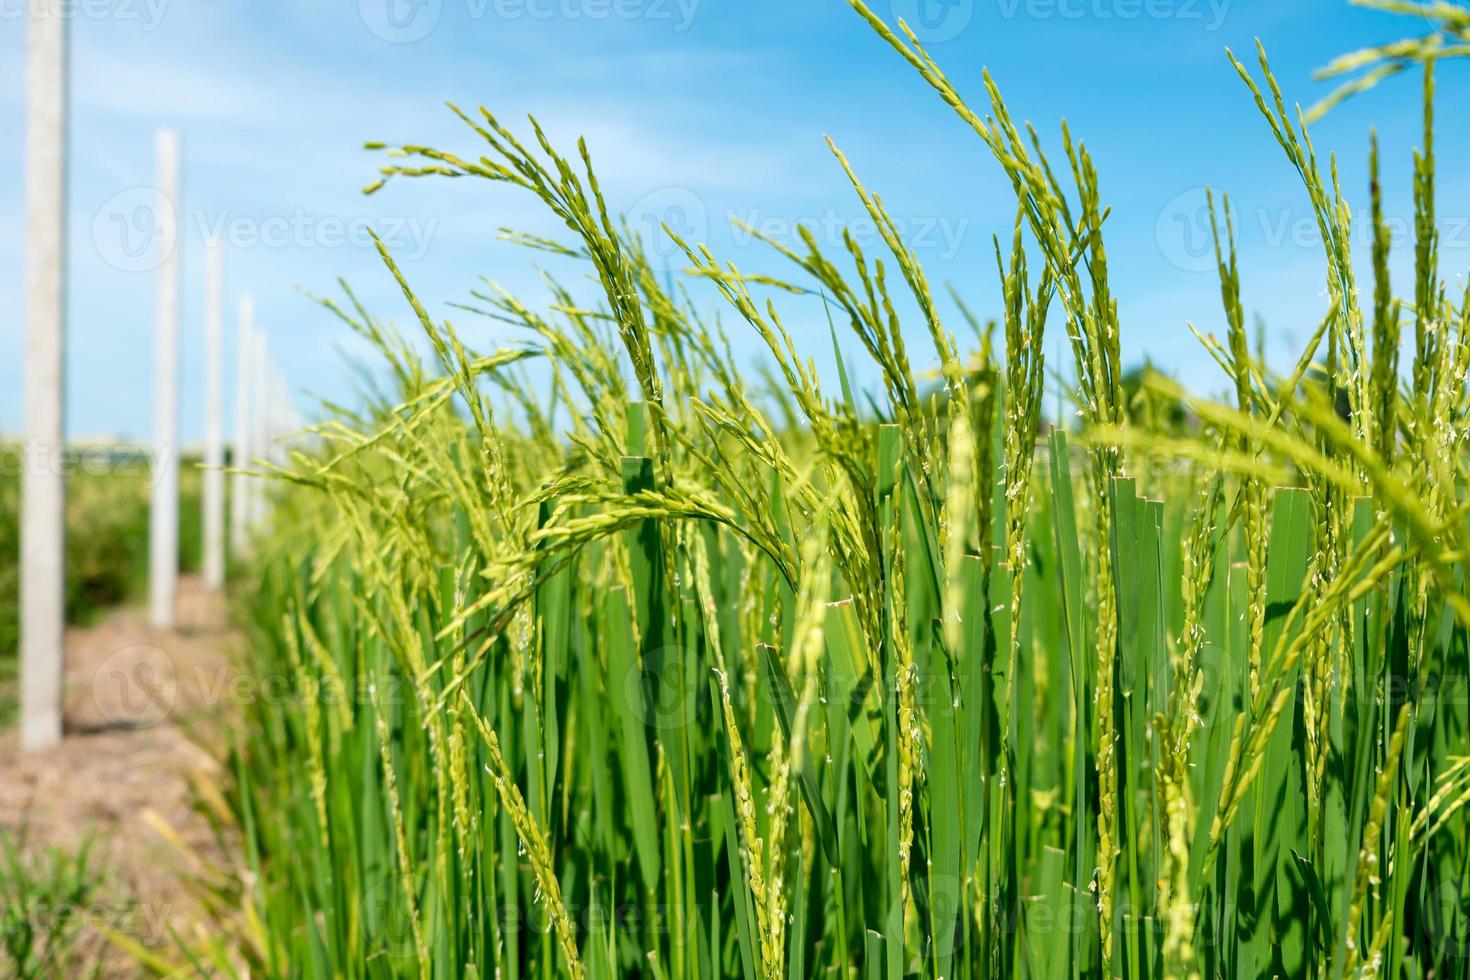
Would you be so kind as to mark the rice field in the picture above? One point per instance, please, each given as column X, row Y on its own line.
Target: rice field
column 665, row 670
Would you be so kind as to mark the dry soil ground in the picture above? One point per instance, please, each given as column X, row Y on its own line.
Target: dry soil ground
column 140, row 703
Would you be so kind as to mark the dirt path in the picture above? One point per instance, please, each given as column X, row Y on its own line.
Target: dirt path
column 139, row 704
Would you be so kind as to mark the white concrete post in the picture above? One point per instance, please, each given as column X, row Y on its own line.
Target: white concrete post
column 244, row 381
column 280, row 416
column 214, row 409
column 163, row 514
column 281, row 428
column 43, row 491
column 259, row 422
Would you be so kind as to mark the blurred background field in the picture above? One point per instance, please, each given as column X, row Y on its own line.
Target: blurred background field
column 107, row 540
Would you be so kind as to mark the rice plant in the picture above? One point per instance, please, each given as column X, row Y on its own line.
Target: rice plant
column 633, row 667
column 45, row 912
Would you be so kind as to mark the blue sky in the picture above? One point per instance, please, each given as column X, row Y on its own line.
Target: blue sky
column 695, row 110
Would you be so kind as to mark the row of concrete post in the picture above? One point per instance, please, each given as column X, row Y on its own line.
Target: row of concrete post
column 262, row 414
